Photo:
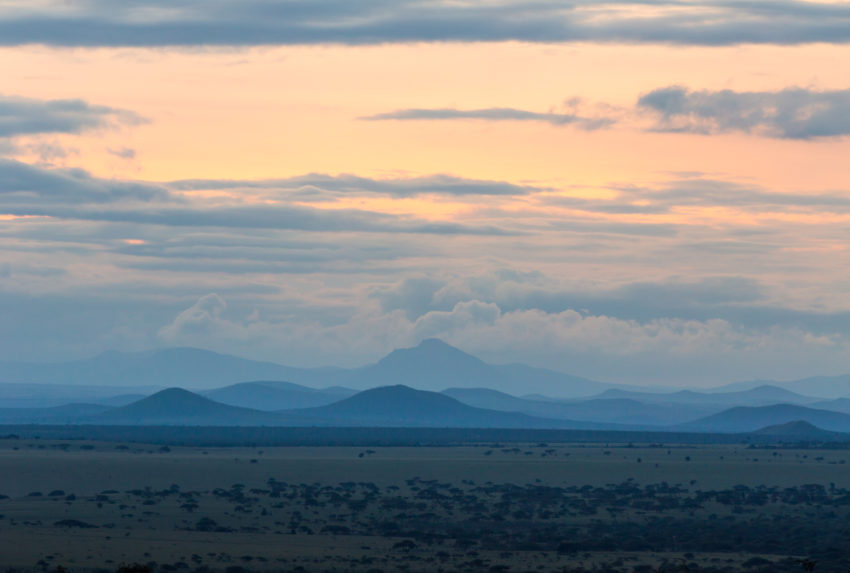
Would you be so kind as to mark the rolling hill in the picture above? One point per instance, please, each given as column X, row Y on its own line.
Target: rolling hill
column 35, row 395
column 179, row 407
column 270, row 396
column 829, row 387
column 432, row 365
column 396, row 406
column 184, row 367
column 764, row 395
column 403, row 406
column 435, row 365
column 66, row 414
column 800, row 430
column 610, row 410
column 744, row 419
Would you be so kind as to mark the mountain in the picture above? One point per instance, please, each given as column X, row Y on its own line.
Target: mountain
column 435, row 365
column 610, row 410
column 404, row 406
column 185, row 367
column 271, row 395
column 800, row 430
column 179, row 407
column 820, row 386
column 750, row 419
column 764, row 395
column 837, row 405
column 67, row 414
column 432, row 365
column 28, row 395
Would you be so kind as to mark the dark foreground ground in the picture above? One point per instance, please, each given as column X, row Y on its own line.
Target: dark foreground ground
column 83, row 505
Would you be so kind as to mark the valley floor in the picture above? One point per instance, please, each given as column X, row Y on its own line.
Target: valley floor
column 88, row 505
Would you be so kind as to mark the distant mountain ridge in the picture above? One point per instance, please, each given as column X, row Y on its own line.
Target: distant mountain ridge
column 759, row 396
column 432, row 365
column 800, row 430
column 273, row 395
column 742, row 419
column 601, row 410
column 829, row 387
column 176, row 406
column 389, row 406
column 435, row 365
column 404, row 406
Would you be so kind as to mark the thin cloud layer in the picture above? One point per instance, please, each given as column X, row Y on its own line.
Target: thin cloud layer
column 257, row 22
column 73, row 194
column 705, row 193
column 494, row 114
column 793, row 113
column 28, row 116
column 316, row 184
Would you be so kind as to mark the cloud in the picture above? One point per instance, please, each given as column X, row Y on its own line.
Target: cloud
column 259, row 22
column 26, row 116
column 704, row 192
column 22, row 183
column 195, row 320
column 665, row 350
column 28, row 190
column 278, row 217
column 792, row 113
column 123, row 152
column 494, row 114
column 318, row 184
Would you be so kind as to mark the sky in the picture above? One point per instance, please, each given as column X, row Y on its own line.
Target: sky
column 648, row 191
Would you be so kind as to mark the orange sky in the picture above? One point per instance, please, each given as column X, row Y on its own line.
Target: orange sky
column 619, row 245
column 277, row 112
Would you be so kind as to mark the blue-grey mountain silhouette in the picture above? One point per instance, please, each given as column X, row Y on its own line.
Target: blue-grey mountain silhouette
column 750, row 419
column 273, row 395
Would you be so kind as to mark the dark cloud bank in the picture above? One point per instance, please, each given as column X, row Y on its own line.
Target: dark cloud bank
column 258, row 22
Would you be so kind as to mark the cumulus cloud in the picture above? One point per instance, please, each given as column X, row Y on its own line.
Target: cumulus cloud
column 257, row 22
column 196, row 320
column 664, row 350
column 27, row 116
column 495, row 114
column 792, row 113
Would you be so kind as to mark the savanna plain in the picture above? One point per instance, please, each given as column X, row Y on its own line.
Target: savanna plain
column 81, row 505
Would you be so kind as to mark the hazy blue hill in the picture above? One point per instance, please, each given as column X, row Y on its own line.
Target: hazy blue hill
column 66, row 414
column 432, row 365
column 28, row 395
column 750, row 419
column 826, row 386
column 760, row 396
column 121, row 399
column 820, row 386
column 800, row 430
column 271, row 396
column 179, row 407
column 837, row 405
column 491, row 399
column 435, row 365
column 610, row 410
column 400, row 405
column 185, row 367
